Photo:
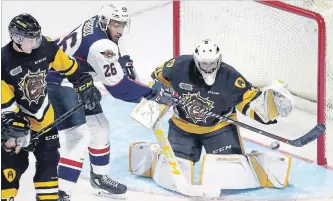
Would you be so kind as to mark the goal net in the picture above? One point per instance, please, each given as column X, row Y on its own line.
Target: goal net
column 267, row 41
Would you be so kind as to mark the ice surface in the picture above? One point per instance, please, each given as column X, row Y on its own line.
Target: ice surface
column 308, row 181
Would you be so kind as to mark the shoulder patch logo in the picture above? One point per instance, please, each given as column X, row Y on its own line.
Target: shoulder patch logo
column 108, row 54
column 240, row 83
column 10, row 174
column 186, row 86
column 170, row 63
column 16, row 71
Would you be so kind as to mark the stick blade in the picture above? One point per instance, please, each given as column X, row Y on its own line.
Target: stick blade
column 309, row 136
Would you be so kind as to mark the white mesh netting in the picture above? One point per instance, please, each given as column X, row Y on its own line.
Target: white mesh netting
column 266, row 43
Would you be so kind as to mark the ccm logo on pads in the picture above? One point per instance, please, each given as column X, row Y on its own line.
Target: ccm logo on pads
column 52, row 137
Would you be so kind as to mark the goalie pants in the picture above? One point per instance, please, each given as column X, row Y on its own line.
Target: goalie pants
column 45, row 179
column 187, row 145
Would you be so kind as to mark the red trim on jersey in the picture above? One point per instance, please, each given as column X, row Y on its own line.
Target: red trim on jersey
column 99, row 151
column 70, row 162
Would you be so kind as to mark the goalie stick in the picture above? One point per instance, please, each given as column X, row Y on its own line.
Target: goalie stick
column 150, row 114
column 182, row 185
column 306, row 138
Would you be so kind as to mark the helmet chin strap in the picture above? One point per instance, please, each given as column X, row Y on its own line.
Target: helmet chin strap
column 18, row 45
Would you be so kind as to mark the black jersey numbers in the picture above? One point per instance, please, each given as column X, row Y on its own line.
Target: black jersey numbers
column 70, row 40
column 109, row 70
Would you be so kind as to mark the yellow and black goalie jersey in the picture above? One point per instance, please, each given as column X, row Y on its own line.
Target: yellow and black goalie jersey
column 230, row 90
column 23, row 86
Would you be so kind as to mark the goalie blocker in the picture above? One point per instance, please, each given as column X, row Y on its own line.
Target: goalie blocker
column 253, row 170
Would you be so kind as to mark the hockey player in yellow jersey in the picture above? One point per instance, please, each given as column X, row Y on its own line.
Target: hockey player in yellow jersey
column 205, row 83
column 25, row 107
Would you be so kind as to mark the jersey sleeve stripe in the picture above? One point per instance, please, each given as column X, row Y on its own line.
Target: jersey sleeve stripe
column 68, row 71
column 11, row 108
column 7, row 93
column 8, row 102
column 40, row 115
column 248, row 96
column 64, row 64
column 157, row 74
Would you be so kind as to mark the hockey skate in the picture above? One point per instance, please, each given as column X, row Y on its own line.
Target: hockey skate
column 106, row 187
column 63, row 196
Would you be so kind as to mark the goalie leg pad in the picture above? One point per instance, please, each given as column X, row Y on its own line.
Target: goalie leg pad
column 253, row 170
column 162, row 173
column 99, row 148
column 272, row 170
column 146, row 160
column 142, row 158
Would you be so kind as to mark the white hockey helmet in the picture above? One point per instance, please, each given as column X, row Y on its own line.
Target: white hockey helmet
column 207, row 57
column 110, row 12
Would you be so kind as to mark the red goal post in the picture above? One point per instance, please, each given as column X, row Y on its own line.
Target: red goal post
column 321, row 98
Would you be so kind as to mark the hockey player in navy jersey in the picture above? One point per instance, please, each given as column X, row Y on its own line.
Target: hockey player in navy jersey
column 206, row 84
column 26, row 109
column 95, row 46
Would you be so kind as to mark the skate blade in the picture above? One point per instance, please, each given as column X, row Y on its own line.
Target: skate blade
column 104, row 193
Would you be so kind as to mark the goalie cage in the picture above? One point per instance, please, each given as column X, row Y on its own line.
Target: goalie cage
column 268, row 40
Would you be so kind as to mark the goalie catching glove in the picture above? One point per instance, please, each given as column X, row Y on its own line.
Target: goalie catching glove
column 87, row 92
column 15, row 131
column 275, row 101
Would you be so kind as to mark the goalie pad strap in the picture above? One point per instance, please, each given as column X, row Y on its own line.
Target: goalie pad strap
column 145, row 159
column 253, row 170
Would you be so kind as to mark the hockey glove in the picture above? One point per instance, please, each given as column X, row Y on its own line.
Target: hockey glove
column 127, row 64
column 274, row 102
column 15, row 131
column 87, row 92
column 162, row 94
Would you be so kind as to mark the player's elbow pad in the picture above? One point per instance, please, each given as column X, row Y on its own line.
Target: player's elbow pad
column 128, row 90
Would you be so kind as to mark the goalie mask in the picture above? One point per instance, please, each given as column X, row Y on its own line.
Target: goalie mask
column 207, row 57
column 114, row 20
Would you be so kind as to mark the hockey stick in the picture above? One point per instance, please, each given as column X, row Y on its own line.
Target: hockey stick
column 306, row 138
column 182, row 185
column 58, row 120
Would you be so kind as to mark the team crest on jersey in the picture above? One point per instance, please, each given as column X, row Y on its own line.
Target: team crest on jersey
column 33, row 85
column 108, row 54
column 197, row 106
